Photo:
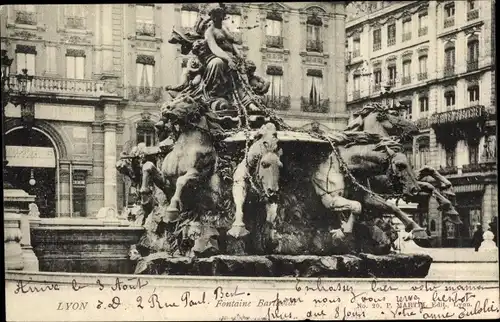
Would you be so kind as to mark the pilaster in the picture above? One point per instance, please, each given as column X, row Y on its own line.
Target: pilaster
column 110, row 156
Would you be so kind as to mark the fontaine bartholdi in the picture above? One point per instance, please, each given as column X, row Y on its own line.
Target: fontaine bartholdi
column 233, row 190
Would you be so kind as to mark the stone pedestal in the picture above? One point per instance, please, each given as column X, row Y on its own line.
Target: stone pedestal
column 17, row 221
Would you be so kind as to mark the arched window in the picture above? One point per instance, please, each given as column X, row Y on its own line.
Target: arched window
column 449, row 55
column 145, row 132
column 449, row 97
column 423, row 151
column 472, row 53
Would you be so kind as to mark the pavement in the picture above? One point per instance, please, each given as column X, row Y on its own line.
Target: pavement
column 463, row 271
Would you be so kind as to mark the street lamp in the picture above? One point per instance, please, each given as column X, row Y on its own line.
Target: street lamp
column 6, row 62
column 27, row 114
column 386, row 96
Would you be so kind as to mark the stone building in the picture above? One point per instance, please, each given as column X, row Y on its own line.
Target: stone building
column 438, row 58
column 98, row 78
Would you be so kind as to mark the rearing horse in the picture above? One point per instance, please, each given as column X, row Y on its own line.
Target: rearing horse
column 193, row 158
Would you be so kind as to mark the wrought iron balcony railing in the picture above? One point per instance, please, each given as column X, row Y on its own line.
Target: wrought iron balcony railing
column 315, row 46
column 422, row 76
column 25, row 18
column 356, row 53
column 391, row 41
column 448, row 170
column 145, row 29
column 472, row 65
column 274, row 41
column 406, row 80
column 75, row 22
column 449, row 22
column 449, row 71
column 391, row 82
column 280, row 103
column 407, row 36
column 422, row 31
column 473, row 14
column 478, row 167
column 356, row 95
column 322, row 106
column 423, row 123
column 145, row 94
column 458, row 116
column 62, row 86
column 377, row 46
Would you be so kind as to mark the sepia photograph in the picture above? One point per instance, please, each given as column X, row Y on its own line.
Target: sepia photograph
column 250, row 161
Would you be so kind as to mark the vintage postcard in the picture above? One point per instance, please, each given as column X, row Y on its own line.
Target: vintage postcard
column 250, row 161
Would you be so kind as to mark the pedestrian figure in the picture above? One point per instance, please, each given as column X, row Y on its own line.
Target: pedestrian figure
column 477, row 238
column 494, row 229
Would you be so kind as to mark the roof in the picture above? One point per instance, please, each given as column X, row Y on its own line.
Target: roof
column 283, row 136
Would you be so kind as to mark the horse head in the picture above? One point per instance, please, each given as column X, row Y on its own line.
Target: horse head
column 401, row 174
column 269, row 164
column 386, row 122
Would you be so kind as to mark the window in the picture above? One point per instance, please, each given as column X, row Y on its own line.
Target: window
column 392, row 73
column 391, row 31
column 377, row 39
column 422, row 64
column 276, row 88
column 356, row 82
column 450, row 156
column 449, row 10
column 75, row 64
column 473, row 152
column 145, row 20
column 188, row 18
column 233, row 23
column 314, row 38
column 423, row 152
column 273, row 27
column 449, row 54
column 146, row 133
column 473, row 94
column 422, row 21
column 424, row 104
column 471, row 5
column 315, row 89
column 407, row 69
column 79, row 193
column 450, row 98
column 356, row 44
column 377, row 74
column 25, row 14
column 406, row 30
column 473, row 50
column 145, row 71
column 25, row 59
column 75, row 16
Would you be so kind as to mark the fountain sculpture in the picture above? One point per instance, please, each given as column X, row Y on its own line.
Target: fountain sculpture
column 233, row 190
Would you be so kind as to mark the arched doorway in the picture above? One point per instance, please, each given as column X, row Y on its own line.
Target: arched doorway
column 32, row 167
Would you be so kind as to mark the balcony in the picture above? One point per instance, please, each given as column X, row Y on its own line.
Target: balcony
column 279, row 103
column 448, row 170
column 423, row 31
column 472, row 113
column 480, row 167
column 406, row 80
column 472, row 65
column 274, row 41
column 449, row 71
column 75, row 23
column 25, row 18
column 145, row 29
column 391, row 42
column 314, row 46
column 377, row 46
column 62, row 86
column 422, row 76
column 449, row 22
column 356, row 95
column 145, row 94
column 423, row 123
column 473, row 14
column 356, row 53
column 377, row 87
column 407, row 36
column 306, row 105
column 391, row 82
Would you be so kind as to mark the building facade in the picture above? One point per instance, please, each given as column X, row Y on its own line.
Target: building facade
column 438, row 58
column 99, row 73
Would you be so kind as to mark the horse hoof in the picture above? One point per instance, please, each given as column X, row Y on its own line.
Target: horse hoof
column 419, row 233
column 238, row 231
column 171, row 214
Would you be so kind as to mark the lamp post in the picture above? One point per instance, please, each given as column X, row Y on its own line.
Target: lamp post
column 27, row 113
column 6, row 62
column 386, row 96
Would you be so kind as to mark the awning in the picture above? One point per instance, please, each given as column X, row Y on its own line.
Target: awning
column 30, row 156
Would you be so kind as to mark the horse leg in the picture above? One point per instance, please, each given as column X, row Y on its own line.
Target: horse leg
column 410, row 225
column 172, row 211
column 337, row 203
column 429, row 171
column 238, row 229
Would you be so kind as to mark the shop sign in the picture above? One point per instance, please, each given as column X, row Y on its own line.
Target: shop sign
column 470, row 113
column 65, row 112
column 30, row 156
